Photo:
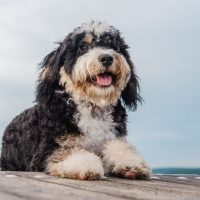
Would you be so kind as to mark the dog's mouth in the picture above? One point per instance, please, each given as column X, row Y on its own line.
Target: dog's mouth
column 103, row 79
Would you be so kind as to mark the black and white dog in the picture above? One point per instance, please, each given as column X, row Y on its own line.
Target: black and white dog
column 77, row 129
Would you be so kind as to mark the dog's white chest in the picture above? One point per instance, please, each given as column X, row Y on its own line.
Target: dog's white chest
column 97, row 127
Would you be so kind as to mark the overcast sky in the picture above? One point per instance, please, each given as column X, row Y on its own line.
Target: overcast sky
column 164, row 40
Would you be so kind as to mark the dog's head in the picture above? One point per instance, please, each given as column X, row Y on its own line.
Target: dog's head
column 91, row 64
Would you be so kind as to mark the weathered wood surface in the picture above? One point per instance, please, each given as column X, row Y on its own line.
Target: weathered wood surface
column 36, row 186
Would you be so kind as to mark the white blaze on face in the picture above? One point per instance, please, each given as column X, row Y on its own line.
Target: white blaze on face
column 88, row 65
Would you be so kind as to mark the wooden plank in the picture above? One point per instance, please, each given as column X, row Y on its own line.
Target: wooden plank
column 184, row 179
column 20, row 187
column 161, row 187
column 4, row 196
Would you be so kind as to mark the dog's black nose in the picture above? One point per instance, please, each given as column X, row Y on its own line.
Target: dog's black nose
column 106, row 60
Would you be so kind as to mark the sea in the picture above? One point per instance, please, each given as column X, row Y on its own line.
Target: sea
column 177, row 170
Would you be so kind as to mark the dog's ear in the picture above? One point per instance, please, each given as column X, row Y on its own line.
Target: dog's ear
column 131, row 94
column 49, row 78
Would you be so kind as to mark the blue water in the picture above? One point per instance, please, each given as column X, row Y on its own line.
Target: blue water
column 176, row 170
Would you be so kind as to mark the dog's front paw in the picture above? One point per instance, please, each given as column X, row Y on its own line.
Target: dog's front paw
column 80, row 164
column 135, row 173
column 122, row 160
column 83, row 165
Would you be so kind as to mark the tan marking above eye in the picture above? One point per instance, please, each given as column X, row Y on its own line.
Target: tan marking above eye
column 88, row 38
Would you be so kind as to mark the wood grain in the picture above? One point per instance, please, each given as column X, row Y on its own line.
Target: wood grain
column 36, row 185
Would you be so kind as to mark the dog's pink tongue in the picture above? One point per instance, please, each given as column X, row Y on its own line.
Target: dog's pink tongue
column 104, row 79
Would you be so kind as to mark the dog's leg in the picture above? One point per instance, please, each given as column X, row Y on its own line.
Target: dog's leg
column 80, row 164
column 121, row 159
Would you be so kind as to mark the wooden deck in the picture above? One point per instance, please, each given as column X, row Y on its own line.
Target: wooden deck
column 36, row 186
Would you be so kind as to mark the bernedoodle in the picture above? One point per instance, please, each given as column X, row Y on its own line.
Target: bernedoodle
column 77, row 128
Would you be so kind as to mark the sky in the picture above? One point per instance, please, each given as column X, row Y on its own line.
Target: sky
column 164, row 40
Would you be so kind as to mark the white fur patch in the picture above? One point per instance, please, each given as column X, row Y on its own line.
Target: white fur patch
column 81, row 163
column 96, row 27
column 96, row 125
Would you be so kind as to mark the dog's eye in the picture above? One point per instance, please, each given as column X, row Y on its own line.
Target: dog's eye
column 84, row 47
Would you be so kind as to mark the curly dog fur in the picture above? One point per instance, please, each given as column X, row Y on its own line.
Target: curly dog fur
column 77, row 128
